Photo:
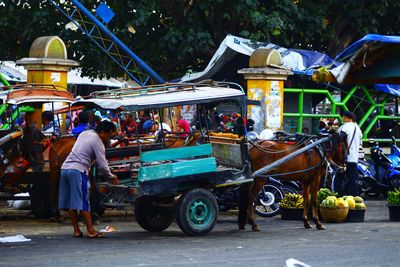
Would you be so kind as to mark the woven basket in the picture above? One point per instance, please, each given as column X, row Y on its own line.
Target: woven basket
column 338, row 214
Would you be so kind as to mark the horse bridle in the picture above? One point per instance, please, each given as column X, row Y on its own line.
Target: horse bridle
column 342, row 138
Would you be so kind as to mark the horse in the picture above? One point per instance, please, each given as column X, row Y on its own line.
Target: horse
column 59, row 149
column 173, row 141
column 21, row 153
column 307, row 167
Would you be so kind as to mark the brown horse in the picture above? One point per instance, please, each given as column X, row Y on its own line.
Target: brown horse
column 307, row 167
column 177, row 141
column 59, row 150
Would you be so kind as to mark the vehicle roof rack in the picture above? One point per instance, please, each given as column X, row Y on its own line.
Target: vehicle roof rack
column 160, row 89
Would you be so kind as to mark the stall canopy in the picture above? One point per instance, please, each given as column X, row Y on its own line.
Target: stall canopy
column 374, row 59
column 235, row 51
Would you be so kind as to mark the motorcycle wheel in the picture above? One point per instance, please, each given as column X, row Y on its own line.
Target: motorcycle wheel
column 266, row 202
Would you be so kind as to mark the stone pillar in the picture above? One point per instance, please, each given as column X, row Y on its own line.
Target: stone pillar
column 265, row 82
column 47, row 64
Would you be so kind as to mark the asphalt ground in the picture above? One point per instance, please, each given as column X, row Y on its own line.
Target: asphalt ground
column 374, row 242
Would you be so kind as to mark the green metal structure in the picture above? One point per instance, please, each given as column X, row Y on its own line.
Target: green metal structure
column 377, row 105
column 3, row 80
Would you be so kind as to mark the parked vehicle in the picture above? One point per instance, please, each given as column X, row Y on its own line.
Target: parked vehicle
column 385, row 174
column 20, row 170
column 394, row 155
column 267, row 201
column 174, row 175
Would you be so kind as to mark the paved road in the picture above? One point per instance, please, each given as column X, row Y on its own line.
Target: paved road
column 375, row 242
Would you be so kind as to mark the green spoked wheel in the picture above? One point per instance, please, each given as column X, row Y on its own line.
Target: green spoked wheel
column 196, row 212
column 153, row 218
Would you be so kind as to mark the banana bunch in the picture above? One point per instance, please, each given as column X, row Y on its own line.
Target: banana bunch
column 323, row 193
column 292, row 200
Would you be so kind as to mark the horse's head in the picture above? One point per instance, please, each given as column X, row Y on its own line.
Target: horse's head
column 337, row 149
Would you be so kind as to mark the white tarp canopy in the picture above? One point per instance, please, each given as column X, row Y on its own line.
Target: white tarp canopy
column 297, row 60
column 14, row 73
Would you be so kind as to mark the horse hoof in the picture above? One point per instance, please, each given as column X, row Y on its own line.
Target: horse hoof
column 320, row 227
column 256, row 229
column 242, row 228
column 307, row 226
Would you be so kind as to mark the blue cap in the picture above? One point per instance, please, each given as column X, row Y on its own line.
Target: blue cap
column 147, row 124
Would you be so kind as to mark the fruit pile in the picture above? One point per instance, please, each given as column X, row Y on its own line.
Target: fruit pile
column 292, row 200
column 355, row 203
column 346, row 201
column 323, row 193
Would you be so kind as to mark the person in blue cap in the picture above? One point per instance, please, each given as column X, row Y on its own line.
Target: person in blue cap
column 147, row 126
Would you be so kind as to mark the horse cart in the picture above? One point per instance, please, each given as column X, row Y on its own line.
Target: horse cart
column 172, row 172
column 23, row 165
column 175, row 173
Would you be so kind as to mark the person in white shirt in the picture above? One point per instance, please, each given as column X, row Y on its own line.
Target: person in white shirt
column 354, row 141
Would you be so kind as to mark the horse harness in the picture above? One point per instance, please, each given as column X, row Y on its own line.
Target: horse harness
column 303, row 141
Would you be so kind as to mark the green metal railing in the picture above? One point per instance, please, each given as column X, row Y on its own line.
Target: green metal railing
column 3, row 80
column 363, row 122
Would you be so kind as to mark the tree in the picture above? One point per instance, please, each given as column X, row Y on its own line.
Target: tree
column 176, row 36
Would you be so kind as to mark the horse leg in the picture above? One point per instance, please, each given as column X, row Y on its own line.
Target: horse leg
column 54, row 183
column 255, row 189
column 244, row 191
column 306, row 194
column 314, row 202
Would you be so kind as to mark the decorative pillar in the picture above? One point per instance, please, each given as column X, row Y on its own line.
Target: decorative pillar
column 265, row 82
column 47, row 64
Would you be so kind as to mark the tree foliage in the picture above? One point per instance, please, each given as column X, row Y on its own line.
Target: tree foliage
column 176, row 36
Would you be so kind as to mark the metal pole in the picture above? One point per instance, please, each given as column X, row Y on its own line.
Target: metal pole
column 116, row 40
column 300, row 120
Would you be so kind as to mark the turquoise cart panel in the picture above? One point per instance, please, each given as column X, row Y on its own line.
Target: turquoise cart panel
column 177, row 169
column 176, row 153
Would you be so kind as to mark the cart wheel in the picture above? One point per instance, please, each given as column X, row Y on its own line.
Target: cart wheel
column 40, row 200
column 196, row 212
column 153, row 218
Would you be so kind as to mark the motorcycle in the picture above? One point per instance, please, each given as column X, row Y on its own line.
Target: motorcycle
column 385, row 171
column 394, row 155
column 266, row 202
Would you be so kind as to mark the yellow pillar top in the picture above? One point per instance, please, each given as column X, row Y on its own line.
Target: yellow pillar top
column 48, row 53
column 265, row 64
column 48, row 47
